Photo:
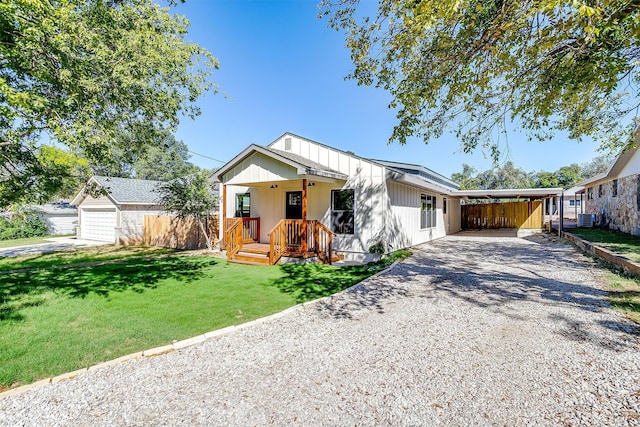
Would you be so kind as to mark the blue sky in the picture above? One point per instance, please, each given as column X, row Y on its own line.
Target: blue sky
column 282, row 69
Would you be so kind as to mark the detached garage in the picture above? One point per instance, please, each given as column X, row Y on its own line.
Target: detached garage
column 117, row 215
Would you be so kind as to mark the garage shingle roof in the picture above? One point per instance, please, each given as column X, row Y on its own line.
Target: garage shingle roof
column 127, row 190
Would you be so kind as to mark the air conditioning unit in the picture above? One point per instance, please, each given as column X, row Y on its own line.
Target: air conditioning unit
column 586, row 220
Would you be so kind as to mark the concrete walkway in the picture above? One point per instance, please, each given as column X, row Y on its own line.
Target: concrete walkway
column 55, row 244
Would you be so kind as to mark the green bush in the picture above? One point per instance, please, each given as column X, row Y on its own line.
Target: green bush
column 23, row 225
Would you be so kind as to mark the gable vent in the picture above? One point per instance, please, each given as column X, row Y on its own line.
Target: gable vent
column 287, row 144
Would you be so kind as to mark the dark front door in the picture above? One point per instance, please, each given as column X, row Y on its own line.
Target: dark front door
column 293, row 208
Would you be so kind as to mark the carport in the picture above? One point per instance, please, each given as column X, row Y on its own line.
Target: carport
column 520, row 208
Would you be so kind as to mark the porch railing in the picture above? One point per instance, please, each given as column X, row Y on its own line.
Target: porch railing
column 233, row 236
column 250, row 229
column 287, row 239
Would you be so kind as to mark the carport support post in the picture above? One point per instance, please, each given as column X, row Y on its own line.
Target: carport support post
column 561, row 215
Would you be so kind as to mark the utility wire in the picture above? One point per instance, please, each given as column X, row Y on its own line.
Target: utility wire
column 206, row 157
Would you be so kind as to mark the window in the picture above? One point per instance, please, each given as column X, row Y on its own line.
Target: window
column 600, row 191
column 590, row 193
column 574, row 203
column 243, row 205
column 427, row 211
column 614, row 191
column 342, row 218
column 444, row 205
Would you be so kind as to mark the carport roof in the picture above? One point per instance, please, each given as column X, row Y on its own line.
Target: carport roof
column 510, row 193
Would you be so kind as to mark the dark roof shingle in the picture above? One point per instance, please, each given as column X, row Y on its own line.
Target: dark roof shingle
column 127, row 190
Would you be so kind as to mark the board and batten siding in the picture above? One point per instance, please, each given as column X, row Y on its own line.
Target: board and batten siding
column 403, row 224
column 260, row 168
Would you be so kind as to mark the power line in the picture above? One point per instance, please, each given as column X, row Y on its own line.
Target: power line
column 206, row 157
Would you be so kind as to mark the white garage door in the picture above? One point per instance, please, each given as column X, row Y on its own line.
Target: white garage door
column 98, row 224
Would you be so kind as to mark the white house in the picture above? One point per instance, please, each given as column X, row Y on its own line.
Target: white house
column 614, row 195
column 61, row 217
column 300, row 198
column 117, row 215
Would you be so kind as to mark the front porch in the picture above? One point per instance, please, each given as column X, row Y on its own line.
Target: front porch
column 294, row 238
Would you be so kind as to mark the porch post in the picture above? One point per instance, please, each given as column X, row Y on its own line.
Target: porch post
column 222, row 224
column 304, row 217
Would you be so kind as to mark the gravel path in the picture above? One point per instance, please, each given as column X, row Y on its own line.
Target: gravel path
column 470, row 331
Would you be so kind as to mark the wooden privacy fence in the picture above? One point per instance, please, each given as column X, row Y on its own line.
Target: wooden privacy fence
column 502, row 215
column 172, row 232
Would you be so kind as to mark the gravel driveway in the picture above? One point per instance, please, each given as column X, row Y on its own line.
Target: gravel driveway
column 472, row 330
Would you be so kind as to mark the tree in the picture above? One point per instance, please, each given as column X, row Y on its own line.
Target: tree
column 595, row 166
column 467, row 179
column 475, row 65
column 164, row 162
column 83, row 72
column 191, row 196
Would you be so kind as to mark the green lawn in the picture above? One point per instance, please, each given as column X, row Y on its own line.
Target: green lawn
column 621, row 243
column 88, row 255
column 25, row 241
column 624, row 291
column 59, row 319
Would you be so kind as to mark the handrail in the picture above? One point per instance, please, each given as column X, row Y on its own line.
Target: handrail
column 233, row 237
column 323, row 242
column 275, row 243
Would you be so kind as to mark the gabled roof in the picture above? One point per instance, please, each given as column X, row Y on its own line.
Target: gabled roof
column 420, row 171
column 125, row 191
column 301, row 164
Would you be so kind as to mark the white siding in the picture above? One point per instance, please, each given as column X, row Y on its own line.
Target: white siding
column 61, row 224
column 632, row 167
column 260, row 168
column 403, row 225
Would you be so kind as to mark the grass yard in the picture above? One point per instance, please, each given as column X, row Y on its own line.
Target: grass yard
column 88, row 255
column 58, row 316
column 621, row 243
column 624, row 295
column 25, row 241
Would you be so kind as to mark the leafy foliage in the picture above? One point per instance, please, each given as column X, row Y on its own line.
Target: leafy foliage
column 22, row 225
column 164, row 162
column 474, row 65
column 85, row 72
column 191, row 196
column 510, row 176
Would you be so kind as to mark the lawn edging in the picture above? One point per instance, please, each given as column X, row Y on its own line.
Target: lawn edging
column 623, row 262
column 177, row 345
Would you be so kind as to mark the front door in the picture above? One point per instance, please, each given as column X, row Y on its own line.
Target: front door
column 293, row 208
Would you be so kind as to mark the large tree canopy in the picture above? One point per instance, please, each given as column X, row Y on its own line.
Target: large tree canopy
column 84, row 72
column 475, row 65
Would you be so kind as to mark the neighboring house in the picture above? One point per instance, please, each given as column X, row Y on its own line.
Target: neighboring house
column 296, row 195
column 573, row 202
column 61, row 217
column 118, row 215
column 614, row 196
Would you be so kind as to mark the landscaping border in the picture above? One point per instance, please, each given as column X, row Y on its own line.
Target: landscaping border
column 623, row 262
column 158, row 351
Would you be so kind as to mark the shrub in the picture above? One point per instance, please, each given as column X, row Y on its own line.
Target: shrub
column 23, row 225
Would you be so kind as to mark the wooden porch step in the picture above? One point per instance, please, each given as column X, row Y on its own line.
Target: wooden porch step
column 255, row 248
column 245, row 257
